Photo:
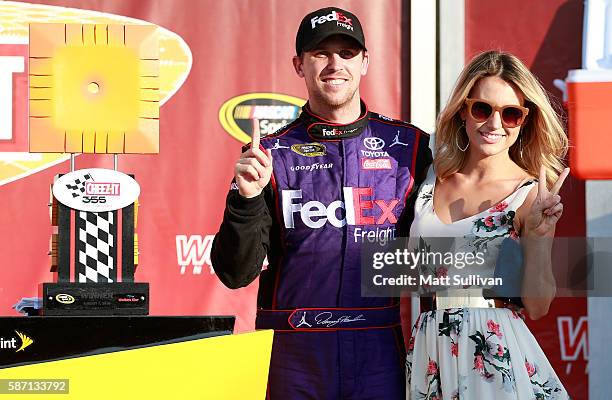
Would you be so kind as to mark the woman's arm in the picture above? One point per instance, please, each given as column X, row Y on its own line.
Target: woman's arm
column 537, row 219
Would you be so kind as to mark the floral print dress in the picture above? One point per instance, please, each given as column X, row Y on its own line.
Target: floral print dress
column 475, row 353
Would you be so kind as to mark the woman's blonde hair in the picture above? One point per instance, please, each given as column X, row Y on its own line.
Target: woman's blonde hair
column 542, row 140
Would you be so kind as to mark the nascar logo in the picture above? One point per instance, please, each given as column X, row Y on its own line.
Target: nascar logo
column 267, row 112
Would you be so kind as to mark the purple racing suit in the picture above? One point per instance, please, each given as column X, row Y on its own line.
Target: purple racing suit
column 333, row 188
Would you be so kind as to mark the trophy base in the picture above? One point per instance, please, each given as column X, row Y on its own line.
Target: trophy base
column 117, row 298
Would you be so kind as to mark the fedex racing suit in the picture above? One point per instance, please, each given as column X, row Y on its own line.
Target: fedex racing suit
column 333, row 188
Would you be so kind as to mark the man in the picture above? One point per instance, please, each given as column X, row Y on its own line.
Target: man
column 308, row 197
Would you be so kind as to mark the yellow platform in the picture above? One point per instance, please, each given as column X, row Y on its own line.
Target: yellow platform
column 224, row 367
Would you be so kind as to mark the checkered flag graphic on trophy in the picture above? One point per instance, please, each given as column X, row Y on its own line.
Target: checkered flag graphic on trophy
column 96, row 247
column 78, row 186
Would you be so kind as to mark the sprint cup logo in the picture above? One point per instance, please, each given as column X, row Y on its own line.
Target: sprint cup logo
column 96, row 190
column 309, row 149
column 17, row 343
column 268, row 112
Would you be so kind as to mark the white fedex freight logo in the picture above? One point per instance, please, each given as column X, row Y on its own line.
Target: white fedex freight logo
column 315, row 214
column 342, row 19
column 573, row 339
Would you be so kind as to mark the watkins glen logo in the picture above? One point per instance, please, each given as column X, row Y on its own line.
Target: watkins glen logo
column 194, row 252
column 240, row 116
column 573, row 339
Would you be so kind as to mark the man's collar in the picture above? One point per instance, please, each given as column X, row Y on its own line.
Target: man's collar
column 322, row 129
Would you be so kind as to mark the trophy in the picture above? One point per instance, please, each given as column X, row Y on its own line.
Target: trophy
column 94, row 89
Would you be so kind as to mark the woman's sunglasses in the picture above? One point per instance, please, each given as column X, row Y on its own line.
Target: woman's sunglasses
column 511, row 116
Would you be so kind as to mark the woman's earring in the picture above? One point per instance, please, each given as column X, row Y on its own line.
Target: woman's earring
column 457, row 138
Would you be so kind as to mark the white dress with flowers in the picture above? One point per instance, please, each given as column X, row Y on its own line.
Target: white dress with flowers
column 475, row 353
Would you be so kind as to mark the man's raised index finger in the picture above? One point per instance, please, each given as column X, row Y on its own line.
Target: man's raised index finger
column 255, row 140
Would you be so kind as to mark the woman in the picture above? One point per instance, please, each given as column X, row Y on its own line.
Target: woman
column 496, row 135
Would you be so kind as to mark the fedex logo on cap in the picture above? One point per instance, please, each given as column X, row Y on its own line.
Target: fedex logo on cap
column 342, row 19
column 315, row 214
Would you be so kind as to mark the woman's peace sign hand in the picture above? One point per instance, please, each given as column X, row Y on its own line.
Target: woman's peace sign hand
column 547, row 208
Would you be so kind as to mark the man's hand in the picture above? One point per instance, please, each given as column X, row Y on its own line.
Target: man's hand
column 253, row 170
column 546, row 208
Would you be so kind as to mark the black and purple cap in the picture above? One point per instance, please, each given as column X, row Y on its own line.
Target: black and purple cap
column 321, row 24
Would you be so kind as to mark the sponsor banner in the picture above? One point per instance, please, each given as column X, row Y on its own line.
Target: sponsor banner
column 573, row 338
column 17, row 342
column 14, row 68
column 96, row 190
column 193, row 254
